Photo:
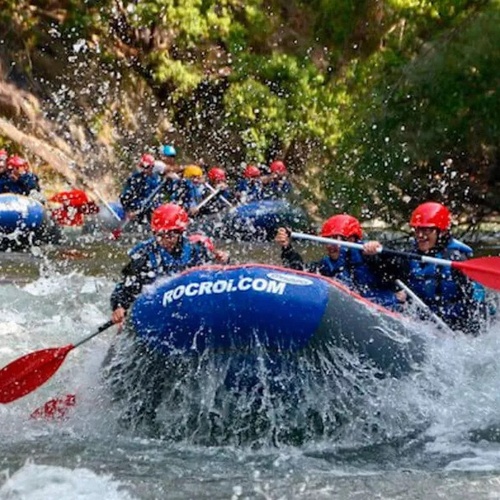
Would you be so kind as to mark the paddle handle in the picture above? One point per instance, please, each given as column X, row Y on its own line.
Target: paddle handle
column 359, row 246
column 101, row 329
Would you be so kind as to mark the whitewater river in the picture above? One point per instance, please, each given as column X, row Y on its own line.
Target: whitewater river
column 434, row 434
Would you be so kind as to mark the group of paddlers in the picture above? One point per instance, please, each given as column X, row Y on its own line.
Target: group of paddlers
column 168, row 196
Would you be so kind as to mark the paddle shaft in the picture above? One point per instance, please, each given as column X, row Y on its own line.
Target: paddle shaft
column 424, row 306
column 484, row 270
column 208, row 199
column 107, row 205
column 222, row 197
column 101, row 329
column 359, row 246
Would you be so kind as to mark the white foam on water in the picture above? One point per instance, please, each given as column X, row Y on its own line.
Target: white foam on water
column 50, row 313
column 44, row 482
column 456, row 391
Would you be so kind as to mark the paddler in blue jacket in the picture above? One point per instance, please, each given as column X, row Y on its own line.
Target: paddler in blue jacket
column 18, row 179
column 190, row 190
column 138, row 187
column 168, row 252
column 276, row 184
column 250, row 187
column 458, row 301
column 349, row 266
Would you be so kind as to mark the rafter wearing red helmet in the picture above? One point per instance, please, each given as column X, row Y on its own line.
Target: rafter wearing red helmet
column 138, row 187
column 459, row 302
column 277, row 184
column 250, row 186
column 16, row 178
column 167, row 252
column 224, row 197
column 350, row 266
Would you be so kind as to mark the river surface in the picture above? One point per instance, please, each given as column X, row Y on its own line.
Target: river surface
column 434, row 434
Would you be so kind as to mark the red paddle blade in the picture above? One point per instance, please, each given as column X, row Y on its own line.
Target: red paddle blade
column 484, row 270
column 29, row 372
column 55, row 408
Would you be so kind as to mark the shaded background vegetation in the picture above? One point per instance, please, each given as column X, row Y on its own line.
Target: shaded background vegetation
column 374, row 105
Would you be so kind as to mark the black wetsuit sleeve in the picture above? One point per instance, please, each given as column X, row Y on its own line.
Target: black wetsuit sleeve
column 388, row 268
column 134, row 276
column 291, row 258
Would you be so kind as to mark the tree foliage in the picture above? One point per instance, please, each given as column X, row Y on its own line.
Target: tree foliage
column 374, row 104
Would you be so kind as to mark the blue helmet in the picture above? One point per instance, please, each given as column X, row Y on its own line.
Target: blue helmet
column 168, row 150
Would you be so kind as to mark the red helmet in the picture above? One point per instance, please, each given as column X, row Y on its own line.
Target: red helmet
column 431, row 214
column 251, row 172
column 342, row 225
column 216, row 174
column 15, row 161
column 3, row 154
column 204, row 240
column 169, row 217
column 278, row 167
column 147, row 160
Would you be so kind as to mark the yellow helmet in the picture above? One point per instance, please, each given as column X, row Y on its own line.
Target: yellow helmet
column 192, row 171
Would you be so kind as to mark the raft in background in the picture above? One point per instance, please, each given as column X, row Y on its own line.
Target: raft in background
column 25, row 222
column 236, row 344
column 254, row 221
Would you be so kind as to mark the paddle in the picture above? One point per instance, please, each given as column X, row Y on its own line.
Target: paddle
column 108, row 206
column 222, row 197
column 425, row 307
column 208, row 199
column 116, row 233
column 27, row 373
column 484, row 270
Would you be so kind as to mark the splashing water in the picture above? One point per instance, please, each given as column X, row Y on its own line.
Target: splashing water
column 444, row 417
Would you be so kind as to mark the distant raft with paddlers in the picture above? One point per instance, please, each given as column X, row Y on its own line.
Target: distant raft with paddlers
column 244, row 327
column 256, row 220
column 24, row 222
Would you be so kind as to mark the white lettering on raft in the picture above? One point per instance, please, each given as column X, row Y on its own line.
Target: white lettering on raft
column 223, row 286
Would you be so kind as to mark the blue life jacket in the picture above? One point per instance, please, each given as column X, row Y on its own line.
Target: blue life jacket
column 337, row 269
column 217, row 203
column 161, row 262
column 276, row 189
column 352, row 270
column 437, row 285
column 253, row 190
column 24, row 185
column 4, row 181
column 137, row 189
column 367, row 283
column 188, row 194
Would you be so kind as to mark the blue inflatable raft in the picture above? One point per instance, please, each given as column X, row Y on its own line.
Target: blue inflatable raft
column 257, row 220
column 24, row 222
column 234, row 309
column 232, row 354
